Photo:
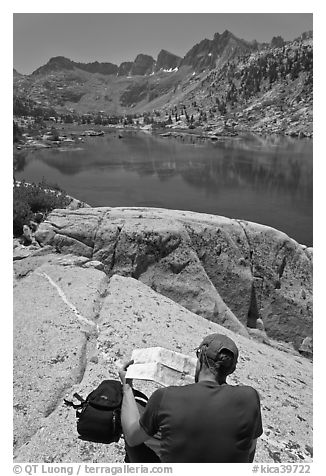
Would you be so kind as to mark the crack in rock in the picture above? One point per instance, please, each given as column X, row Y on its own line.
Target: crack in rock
column 81, row 318
column 72, row 237
column 253, row 312
column 89, row 344
column 56, row 227
column 115, row 247
column 98, row 304
column 86, row 354
column 282, row 267
column 249, row 245
column 105, row 213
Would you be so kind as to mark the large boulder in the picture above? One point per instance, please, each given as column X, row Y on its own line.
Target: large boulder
column 229, row 271
column 57, row 352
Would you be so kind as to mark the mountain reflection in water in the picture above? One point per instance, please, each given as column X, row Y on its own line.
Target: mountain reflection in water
column 268, row 181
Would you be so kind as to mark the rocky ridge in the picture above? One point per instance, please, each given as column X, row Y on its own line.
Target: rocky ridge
column 142, row 65
column 222, row 48
column 203, row 55
column 59, row 63
column 225, row 86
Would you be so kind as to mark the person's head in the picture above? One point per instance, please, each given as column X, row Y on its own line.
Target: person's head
column 217, row 357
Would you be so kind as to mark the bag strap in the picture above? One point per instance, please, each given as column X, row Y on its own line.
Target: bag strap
column 81, row 399
column 116, row 422
column 74, row 405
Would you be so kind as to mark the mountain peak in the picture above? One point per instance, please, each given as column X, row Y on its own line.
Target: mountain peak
column 58, row 63
column 61, row 61
column 227, row 33
column 167, row 61
column 205, row 54
column 54, row 64
column 143, row 64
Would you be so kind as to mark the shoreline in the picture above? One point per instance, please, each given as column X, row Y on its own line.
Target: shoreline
column 76, row 204
column 76, row 134
column 192, row 138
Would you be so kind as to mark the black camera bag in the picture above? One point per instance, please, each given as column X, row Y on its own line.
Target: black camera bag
column 98, row 417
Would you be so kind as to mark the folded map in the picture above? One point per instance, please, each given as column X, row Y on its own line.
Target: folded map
column 162, row 366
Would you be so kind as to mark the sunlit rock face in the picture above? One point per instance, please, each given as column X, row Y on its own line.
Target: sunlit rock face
column 72, row 323
column 229, row 271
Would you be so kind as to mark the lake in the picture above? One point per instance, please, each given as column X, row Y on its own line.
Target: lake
column 265, row 180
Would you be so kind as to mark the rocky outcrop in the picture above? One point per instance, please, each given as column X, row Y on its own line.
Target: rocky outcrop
column 231, row 272
column 143, row 64
column 125, row 68
column 277, row 42
column 222, row 48
column 96, row 67
column 72, row 323
column 59, row 63
column 167, row 61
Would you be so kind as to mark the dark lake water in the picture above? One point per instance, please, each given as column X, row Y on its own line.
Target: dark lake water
column 265, row 180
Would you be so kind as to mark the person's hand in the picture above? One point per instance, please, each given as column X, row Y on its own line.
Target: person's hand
column 122, row 370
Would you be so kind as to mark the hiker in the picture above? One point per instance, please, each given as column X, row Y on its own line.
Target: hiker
column 207, row 421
